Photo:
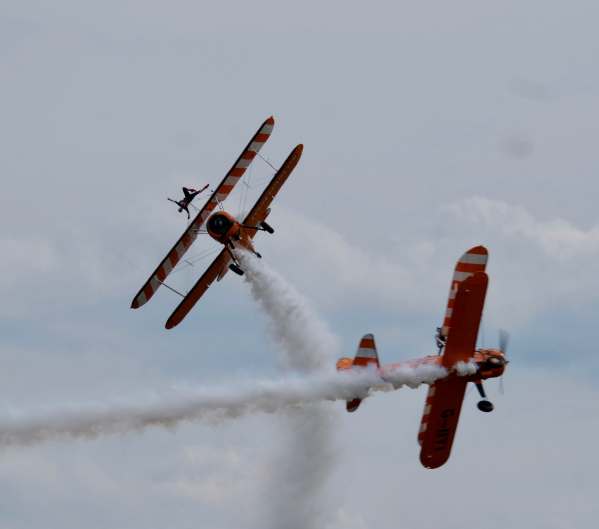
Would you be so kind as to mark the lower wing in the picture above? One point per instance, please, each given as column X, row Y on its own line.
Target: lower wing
column 440, row 420
column 198, row 290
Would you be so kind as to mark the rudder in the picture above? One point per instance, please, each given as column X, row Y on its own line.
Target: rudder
column 366, row 356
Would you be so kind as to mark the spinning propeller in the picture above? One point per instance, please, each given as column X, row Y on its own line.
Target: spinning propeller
column 485, row 405
column 504, row 340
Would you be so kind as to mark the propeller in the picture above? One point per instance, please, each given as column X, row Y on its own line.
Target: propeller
column 484, row 404
column 504, row 340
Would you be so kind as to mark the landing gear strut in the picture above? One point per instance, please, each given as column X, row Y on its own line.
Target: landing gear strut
column 267, row 227
column 234, row 266
column 484, row 404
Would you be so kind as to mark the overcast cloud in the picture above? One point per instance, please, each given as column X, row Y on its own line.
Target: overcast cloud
column 428, row 127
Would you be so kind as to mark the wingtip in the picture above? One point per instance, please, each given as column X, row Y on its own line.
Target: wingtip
column 270, row 120
column 480, row 250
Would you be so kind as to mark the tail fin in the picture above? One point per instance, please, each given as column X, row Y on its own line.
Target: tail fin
column 365, row 356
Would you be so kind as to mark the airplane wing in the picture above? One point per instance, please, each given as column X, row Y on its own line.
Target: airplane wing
column 198, row 290
column 190, row 234
column 440, row 420
column 466, row 314
column 260, row 209
column 474, row 260
column 444, row 400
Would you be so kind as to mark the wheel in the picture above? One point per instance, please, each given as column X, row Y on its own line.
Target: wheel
column 234, row 268
column 485, row 405
column 267, row 227
column 259, row 256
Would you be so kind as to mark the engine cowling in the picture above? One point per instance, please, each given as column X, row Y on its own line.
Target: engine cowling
column 221, row 226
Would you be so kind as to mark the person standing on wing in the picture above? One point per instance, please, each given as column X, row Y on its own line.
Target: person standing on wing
column 189, row 195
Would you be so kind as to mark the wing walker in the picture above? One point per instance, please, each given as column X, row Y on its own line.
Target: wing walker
column 456, row 340
column 221, row 226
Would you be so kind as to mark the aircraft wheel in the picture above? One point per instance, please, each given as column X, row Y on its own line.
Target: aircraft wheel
column 234, row 268
column 485, row 406
column 267, row 227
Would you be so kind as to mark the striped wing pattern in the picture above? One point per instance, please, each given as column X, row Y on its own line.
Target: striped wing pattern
column 474, row 260
column 444, row 397
column 258, row 213
column 190, row 234
column 467, row 313
column 460, row 328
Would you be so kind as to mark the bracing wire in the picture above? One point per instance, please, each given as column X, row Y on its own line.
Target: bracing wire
column 187, row 263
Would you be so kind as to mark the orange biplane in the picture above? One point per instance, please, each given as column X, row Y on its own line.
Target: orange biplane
column 223, row 227
column 456, row 340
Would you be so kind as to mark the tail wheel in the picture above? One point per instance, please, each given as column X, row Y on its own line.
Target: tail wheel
column 485, row 405
column 267, row 227
column 234, row 268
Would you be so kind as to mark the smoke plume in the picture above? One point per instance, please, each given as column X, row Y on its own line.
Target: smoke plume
column 210, row 404
column 301, row 469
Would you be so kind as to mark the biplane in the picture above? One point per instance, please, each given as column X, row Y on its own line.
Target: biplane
column 456, row 340
column 223, row 227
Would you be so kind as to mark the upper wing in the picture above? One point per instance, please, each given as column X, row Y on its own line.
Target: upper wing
column 190, row 234
column 440, row 420
column 198, row 290
column 259, row 211
column 474, row 260
column 465, row 319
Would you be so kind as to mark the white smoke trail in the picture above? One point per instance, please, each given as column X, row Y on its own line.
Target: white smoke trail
column 212, row 404
column 413, row 376
column 306, row 342
column 464, row 369
column 300, row 472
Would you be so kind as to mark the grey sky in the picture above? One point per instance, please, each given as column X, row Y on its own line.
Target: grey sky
column 428, row 128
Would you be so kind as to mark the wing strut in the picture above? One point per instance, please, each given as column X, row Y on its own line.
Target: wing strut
column 266, row 161
column 172, row 289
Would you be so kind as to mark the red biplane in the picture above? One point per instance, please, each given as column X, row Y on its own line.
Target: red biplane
column 223, row 227
column 456, row 340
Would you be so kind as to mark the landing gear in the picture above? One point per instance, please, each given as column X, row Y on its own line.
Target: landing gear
column 259, row 256
column 483, row 405
column 235, row 268
column 267, row 227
